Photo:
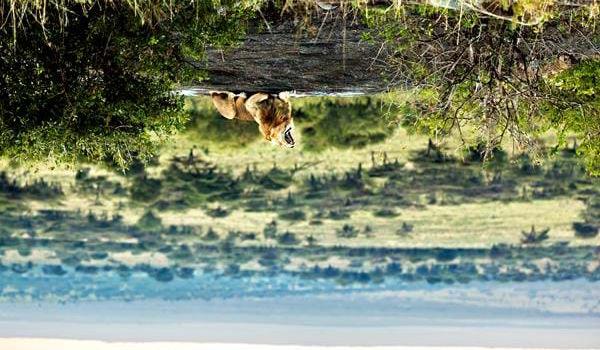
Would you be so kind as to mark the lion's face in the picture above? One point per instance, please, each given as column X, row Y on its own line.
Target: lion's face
column 276, row 122
column 283, row 134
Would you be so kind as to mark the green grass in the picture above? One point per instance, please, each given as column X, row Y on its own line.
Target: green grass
column 443, row 211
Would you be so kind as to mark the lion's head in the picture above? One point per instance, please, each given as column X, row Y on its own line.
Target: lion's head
column 274, row 116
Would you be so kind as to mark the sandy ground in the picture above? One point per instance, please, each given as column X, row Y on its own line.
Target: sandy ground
column 502, row 319
column 58, row 344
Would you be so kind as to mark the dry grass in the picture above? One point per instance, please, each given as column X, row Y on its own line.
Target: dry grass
column 465, row 225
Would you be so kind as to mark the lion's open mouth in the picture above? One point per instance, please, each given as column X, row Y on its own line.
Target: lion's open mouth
column 287, row 136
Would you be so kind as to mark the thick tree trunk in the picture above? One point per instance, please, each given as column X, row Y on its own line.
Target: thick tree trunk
column 333, row 60
column 326, row 57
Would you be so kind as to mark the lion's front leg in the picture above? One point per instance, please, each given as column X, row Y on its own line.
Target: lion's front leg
column 224, row 101
column 255, row 103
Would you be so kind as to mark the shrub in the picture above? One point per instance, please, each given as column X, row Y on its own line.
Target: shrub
column 210, row 235
column 102, row 85
column 499, row 251
column 393, row 267
column 89, row 269
column 385, row 213
column 53, row 270
column 145, row 189
column 348, row 231
column 405, row 228
column 181, row 253
column 218, row 212
column 270, row 230
column 276, row 179
column 248, row 236
column 293, row 215
column 338, row 214
column 163, row 274
column 184, row 272
column 584, row 230
column 99, row 255
column 287, row 238
column 269, row 258
column 24, row 251
column 149, row 222
column 21, row 268
column 533, row 237
column 232, row 269
column 446, row 255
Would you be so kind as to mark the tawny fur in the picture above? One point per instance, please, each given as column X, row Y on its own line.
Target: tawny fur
column 272, row 113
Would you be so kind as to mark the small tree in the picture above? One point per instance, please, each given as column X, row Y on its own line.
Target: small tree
column 533, row 236
column 348, row 231
column 584, row 230
column 211, row 235
column 287, row 238
column 270, row 230
column 149, row 222
column 405, row 229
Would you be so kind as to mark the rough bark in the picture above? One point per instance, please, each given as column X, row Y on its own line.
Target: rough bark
column 333, row 60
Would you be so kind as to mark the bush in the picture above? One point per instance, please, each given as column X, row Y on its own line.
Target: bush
column 406, row 228
column 232, row 269
column 533, row 237
column 293, row 215
column 103, row 76
column 185, row 272
column 163, row 274
column 208, row 125
column 276, row 179
column 338, row 214
column 287, row 238
column 499, row 251
column 348, row 231
column 385, row 213
column 99, row 255
column 53, row 270
column 21, row 268
column 343, row 123
column 218, row 212
column 149, row 222
column 210, row 235
column 269, row 258
column 247, row 236
column 88, row 269
column 145, row 189
column 393, row 267
column 446, row 255
column 270, row 230
column 584, row 230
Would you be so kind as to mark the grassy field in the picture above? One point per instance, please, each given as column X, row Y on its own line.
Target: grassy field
column 433, row 203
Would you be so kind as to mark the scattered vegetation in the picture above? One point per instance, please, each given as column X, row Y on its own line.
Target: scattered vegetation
column 482, row 78
column 533, row 237
column 94, row 81
column 348, row 231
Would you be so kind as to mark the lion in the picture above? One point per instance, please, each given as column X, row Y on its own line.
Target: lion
column 272, row 113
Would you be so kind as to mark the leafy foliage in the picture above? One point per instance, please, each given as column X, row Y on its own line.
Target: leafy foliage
column 533, row 236
column 493, row 76
column 343, row 124
column 577, row 109
column 149, row 222
column 94, row 82
column 208, row 126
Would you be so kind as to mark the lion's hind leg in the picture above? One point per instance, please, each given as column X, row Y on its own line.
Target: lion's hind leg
column 225, row 103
